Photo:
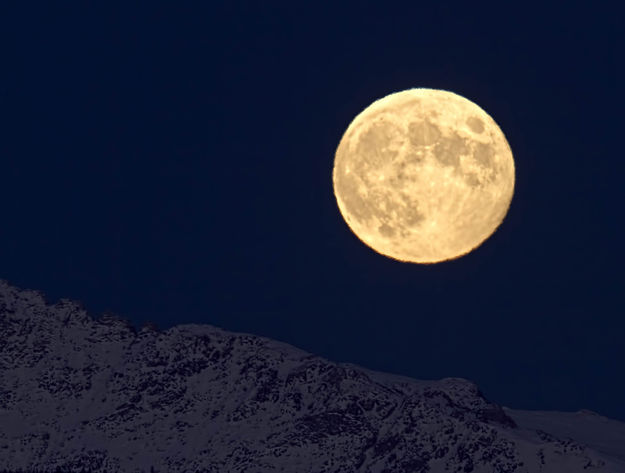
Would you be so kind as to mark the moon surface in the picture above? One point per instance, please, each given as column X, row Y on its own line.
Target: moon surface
column 423, row 175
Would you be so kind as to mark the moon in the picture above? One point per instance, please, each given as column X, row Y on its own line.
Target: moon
column 423, row 176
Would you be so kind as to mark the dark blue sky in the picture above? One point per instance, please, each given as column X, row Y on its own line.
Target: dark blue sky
column 173, row 164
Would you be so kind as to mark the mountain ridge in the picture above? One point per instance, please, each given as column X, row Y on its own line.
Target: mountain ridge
column 77, row 392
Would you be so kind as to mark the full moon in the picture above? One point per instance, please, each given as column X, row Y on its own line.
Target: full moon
column 423, row 176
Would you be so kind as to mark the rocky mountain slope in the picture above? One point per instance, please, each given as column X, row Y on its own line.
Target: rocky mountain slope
column 96, row 393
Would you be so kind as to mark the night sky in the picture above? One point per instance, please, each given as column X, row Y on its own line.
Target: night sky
column 173, row 164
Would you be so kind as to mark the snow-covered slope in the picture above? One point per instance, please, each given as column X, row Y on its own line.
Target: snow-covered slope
column 77, row 392
column 586, row 427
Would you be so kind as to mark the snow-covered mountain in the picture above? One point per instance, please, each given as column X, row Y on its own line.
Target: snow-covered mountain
column 78, row 392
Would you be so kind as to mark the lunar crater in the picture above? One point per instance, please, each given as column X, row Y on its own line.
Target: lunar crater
column 475, row 124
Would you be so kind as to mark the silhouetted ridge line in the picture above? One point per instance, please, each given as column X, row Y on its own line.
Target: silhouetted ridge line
column 96, row 395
